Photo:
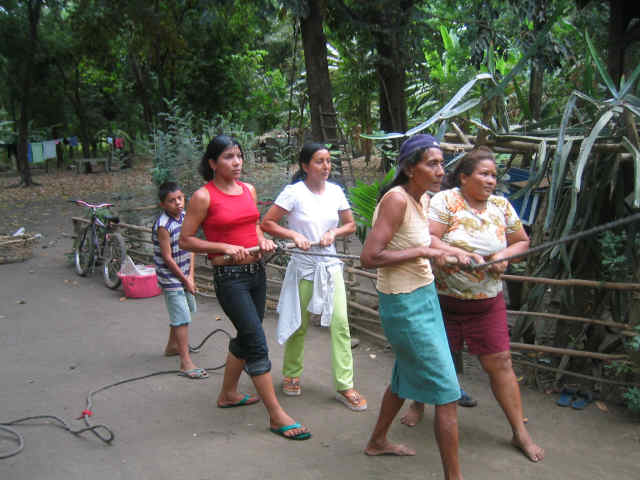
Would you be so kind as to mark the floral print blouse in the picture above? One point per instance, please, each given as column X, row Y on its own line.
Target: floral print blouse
column 482, row 232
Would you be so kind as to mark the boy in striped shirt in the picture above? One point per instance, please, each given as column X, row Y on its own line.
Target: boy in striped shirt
column 174, row 269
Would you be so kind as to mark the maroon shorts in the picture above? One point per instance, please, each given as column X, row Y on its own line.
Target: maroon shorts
column 482, row 324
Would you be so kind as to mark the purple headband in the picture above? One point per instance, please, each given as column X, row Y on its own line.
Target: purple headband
column 415, row 143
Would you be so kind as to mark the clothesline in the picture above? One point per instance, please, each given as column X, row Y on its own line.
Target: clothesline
column 39, row 152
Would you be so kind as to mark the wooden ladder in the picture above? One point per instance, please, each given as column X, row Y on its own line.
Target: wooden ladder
column 333, row 137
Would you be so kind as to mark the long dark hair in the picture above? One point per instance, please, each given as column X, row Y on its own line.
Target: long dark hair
column 308, row 150
column 467, row 165
column 215, row 148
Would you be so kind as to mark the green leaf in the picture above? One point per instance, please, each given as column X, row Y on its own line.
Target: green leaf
column 636, row 167
column 446, row 39
column 587, row 145
column 557, row 177
column 384, row 136
column 632, row 108
column 440, row 114
column 601, row 67
column 542, row 162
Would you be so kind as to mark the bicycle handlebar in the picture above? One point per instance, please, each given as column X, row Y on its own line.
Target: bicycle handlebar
column 89, row 205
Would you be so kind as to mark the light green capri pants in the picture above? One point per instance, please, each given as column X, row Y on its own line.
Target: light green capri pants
column 341, row 358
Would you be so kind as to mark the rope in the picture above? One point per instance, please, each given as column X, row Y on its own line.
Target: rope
column 103, row 432
column 568, row 238
column 290, row 247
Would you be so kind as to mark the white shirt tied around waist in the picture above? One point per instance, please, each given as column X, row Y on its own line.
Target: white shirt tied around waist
column 320, row 271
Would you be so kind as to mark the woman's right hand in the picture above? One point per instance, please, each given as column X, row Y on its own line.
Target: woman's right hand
column 237, row 253
column 301, row 242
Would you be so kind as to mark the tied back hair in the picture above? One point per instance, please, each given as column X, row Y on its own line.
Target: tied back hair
column 467, row 166
column 215, row 148
column 307, row 152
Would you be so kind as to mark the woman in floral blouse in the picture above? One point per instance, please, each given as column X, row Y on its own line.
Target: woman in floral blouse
column 471, row 218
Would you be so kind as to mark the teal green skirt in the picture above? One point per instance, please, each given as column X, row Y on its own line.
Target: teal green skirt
column 413, row 324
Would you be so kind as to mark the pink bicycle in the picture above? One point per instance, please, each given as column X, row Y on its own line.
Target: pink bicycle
column 98, row 242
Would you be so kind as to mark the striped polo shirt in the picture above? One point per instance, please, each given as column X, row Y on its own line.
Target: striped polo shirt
column 167, row 280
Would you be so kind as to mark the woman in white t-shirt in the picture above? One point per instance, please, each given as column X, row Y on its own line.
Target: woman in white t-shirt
column 317, row 212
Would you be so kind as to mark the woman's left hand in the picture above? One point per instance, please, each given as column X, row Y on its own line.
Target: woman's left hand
column 497, row 267
column 267, row 245
column 328, row 238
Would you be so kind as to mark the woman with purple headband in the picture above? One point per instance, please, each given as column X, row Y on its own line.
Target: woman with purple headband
column 399, row 245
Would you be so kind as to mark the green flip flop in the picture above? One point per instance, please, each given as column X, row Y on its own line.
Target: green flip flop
column 300, row 436
column 244, row 402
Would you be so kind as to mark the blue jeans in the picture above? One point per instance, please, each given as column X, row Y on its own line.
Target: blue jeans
column 242, row 296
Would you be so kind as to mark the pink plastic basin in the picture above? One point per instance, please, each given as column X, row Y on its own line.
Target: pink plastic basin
column 140, row 286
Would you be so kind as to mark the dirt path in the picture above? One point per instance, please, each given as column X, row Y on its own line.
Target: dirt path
column 73, row 335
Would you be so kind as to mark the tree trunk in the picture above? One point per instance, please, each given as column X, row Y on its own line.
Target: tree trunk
column 142, row 90
column 314, row 43
column 392, row 80
column 536, row 79
column 33, row 10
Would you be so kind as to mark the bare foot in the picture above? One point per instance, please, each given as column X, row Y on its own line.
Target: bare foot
column 525, row 444
column 388, row 448
column 413, row 416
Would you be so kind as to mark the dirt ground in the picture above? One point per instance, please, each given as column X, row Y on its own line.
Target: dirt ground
column 62, row 336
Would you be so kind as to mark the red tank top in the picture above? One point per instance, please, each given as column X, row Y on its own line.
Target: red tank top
column 231, row 218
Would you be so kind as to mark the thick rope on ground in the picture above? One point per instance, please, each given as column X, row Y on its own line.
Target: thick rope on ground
column 103, row 432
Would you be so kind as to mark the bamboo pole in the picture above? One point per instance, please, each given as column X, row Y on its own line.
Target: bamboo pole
column 567, row 351
column 576, row 282
column 136, row 239
column 549, row 281
column 366, row 331
column 361, row 318
column 558, row 316
column 361, row 272
column 364, row 292
column 572, row 374
column 362, row 308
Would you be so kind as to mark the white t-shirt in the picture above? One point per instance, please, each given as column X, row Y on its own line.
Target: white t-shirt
column 311, row 214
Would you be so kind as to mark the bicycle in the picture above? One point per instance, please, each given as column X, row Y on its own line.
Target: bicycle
column 98, row 242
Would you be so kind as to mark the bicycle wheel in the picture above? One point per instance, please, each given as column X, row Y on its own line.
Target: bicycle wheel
column 84, row 255
column 115, row 252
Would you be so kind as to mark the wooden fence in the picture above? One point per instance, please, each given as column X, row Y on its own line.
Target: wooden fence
column 363, row 302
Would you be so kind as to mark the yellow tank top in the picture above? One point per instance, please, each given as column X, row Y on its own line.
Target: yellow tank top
column 413, row 232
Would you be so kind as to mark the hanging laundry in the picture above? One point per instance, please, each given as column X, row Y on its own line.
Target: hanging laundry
column 110, row 140
column 37, row 152
column 119, row 143
column 29, row 154
column 49, row 149
column 73, row 141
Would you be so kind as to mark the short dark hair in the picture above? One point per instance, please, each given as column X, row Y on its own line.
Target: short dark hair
column 468, row 164
column 215, row 148
column 307, row 152
column 166, row 188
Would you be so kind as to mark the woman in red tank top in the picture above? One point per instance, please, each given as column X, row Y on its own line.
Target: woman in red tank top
column 226, row 210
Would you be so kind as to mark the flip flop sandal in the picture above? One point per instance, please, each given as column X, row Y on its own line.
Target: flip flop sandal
column 355, row 401
column 300, row 436
column 291, row 387
column 194, row 374
column 466, row 400
column 246, row 400
column 582, row 400
column 566, row 397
